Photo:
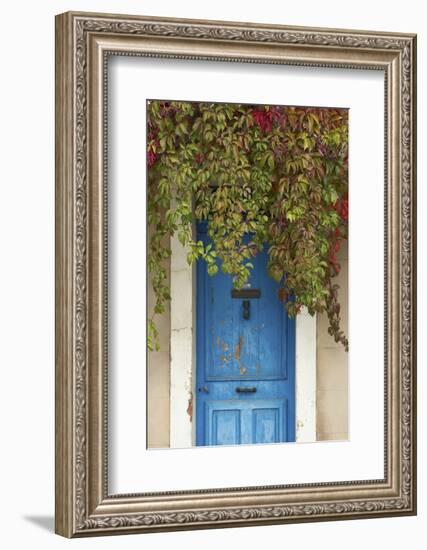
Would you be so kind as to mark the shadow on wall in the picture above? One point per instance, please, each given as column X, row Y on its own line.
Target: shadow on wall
column 44, row 522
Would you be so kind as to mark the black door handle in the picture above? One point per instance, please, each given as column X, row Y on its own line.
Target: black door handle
column 246, row 390
column 246, row 309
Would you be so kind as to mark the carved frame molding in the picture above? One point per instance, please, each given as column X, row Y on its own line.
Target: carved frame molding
column 83, row 43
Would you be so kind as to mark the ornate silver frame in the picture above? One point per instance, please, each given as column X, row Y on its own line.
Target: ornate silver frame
column 83, row 505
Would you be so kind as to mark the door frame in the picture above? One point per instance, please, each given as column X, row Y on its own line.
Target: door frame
column 183, row 404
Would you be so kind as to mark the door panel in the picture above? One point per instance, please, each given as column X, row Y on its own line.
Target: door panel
column 223, row 424
column 268, row 424
column 244, row 348
column 245, row 380
column 245, row 422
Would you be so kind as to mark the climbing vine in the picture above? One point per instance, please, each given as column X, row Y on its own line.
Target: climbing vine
column 278, row 174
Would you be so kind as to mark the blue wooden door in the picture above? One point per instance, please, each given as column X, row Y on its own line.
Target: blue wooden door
column 245, row 379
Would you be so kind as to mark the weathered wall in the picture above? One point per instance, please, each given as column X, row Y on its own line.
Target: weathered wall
column 158, row 379
column 331, row 376
column 182, row 363
column 332, row 367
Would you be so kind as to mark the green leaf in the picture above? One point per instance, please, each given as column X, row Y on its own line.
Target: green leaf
column 212, row 269
column 217, row 163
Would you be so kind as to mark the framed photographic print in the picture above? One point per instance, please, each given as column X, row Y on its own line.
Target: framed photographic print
column 235, row 274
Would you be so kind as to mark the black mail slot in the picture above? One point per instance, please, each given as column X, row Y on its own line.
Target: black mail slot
column 246, row 293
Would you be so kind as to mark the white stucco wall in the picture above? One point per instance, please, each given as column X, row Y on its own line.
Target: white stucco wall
column 182, row 338
column 305, row 376
column 158, row 378
column 332, row 367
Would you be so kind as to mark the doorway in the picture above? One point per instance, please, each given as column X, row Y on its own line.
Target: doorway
column 245, row 359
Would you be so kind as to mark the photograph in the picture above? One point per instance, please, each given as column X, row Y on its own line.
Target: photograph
column 213, row 260
column 247, row 255
column 235, row 273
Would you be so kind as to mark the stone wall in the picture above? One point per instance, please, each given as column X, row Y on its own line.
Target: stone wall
column 332, row 367
column 168, row 422
column 158, row 379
